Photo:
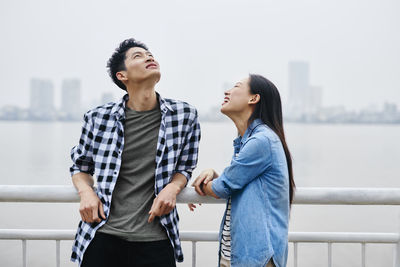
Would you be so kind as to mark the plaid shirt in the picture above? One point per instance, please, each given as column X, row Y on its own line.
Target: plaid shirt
column 99, row 153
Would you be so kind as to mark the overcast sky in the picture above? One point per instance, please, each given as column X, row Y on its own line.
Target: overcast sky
column 353, row 47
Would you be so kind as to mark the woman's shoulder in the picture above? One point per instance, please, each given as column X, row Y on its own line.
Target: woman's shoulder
column 265, row 133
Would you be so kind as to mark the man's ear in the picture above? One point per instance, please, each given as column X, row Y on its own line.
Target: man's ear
column 254, row 99
column 121, row 75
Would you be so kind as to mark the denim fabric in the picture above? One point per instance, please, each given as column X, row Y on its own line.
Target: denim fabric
column 257, row 181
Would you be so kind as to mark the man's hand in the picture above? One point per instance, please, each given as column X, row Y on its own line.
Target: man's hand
column 203, row 179
column 90, row 207
column 165, row 202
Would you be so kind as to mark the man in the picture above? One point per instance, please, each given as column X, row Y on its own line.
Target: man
column 142, row 151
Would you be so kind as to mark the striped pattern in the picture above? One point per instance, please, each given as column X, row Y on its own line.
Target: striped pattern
column 226, row 234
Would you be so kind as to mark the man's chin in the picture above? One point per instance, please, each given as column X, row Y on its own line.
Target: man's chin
column 156, row 75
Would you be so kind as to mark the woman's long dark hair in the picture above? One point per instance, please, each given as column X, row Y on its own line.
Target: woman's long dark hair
column 269, row 110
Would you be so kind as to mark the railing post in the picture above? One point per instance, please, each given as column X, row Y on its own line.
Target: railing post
column 329, row 254
column 24, row 264
column 295, row 253
column 193, row 253
column 397, row 247
column 58, row 253
column 362, row 254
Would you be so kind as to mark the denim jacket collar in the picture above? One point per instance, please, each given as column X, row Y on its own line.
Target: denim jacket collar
column 239, row 141
column 250, row 130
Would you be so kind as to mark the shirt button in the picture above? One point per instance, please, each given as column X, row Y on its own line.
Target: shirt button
column 119, row 152
column 115, row 172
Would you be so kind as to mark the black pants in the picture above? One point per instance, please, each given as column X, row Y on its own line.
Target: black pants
column 110, row 251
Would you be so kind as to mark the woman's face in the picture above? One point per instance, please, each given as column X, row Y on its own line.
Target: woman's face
column 238, row 99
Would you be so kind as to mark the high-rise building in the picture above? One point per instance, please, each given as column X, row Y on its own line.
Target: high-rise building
column 304, row 99
column 315, row 101
column 71, row 98
column 299, row 87
column 41, row 99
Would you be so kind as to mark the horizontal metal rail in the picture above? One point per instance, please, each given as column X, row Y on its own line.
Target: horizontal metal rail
column 304, row 196
column 308, row 196
column 211, row 236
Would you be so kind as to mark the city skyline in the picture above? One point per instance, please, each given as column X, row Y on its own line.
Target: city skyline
column 352, row 51
column 304, row 103
column 301, row 94
column 304, row 98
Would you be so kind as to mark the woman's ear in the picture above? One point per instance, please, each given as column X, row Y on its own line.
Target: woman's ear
column 254, row 99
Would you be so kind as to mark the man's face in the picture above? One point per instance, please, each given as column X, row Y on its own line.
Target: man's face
column 140, row 66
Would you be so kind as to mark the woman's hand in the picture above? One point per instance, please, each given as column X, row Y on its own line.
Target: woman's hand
column 192, row 206
column 201, row 180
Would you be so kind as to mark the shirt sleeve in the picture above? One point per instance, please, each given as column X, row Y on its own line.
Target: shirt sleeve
column 81, row 154
column 253, row 159
column 188, row 158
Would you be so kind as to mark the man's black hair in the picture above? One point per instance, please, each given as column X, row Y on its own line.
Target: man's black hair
column 117, row 60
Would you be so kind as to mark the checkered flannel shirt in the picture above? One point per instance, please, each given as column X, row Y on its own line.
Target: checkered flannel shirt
column 99, row 153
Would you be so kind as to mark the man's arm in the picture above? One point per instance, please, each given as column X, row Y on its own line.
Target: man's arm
column 82, row 171
column 90, row 204
column 187, row 160
column 165, row 202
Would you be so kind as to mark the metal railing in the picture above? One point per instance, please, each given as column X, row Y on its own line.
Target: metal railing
column 307, row 196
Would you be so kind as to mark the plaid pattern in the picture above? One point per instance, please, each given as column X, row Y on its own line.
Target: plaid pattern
column 99, row 153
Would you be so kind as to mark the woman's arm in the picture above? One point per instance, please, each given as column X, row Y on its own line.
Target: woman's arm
column 207, row 189
column 203, row 179
column 253, row 159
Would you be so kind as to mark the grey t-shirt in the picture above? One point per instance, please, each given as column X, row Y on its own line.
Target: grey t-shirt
column 133, row 194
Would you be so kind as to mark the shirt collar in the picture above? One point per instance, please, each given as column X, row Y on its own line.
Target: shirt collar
column 250, row 129
column 118, row 109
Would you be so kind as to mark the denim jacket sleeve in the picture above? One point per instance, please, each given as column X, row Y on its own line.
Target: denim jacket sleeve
column 81, row 154
column 188, row 158
column 253, row 159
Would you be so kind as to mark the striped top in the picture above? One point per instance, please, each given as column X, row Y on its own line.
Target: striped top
column 226, row 234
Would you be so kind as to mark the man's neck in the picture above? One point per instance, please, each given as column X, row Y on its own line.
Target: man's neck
column 142, row 97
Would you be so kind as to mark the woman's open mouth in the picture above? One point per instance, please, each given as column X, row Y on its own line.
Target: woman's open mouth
column 226, row 100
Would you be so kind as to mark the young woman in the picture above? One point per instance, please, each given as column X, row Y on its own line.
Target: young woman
column 258, row 184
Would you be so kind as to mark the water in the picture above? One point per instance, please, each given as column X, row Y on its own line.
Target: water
column 323, row 155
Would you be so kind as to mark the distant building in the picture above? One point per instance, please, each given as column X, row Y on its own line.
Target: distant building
column 299, row 86
column 390, row 113
column 13, row 113
column 304, row 100
column 71, row 99
column 41, row 99
column 390, row 108
column 315, row 99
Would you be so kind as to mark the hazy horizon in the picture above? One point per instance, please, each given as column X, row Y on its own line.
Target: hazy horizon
column 351, row 46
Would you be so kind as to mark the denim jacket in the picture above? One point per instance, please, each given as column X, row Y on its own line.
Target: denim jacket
column 257, row 181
